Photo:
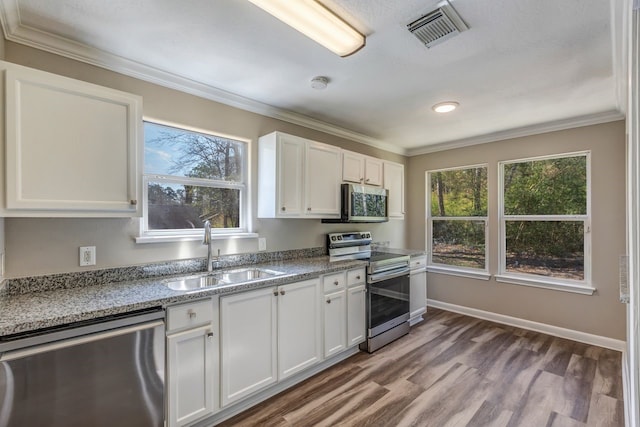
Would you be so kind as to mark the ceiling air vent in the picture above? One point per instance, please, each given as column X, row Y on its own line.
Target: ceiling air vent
column 438, row 26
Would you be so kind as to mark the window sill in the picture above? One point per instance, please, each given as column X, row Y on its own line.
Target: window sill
column 544, row 284
column 480, row 275
column 191, row 237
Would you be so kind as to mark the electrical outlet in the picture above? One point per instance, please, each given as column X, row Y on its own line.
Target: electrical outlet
column 262, row 244
column 87, row 255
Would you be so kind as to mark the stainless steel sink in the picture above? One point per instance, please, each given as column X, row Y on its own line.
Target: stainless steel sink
column 192, row 283
column 223, row 278
column 248, row 275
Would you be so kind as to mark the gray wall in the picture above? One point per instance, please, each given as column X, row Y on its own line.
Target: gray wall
column 599, row 314
column 43, row 246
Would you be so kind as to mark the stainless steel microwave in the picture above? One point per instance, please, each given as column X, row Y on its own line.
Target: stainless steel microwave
column 362, row 203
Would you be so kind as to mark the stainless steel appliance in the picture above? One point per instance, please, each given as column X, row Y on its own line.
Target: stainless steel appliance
column 107, row 373
column 388, row 287
column 362, row 203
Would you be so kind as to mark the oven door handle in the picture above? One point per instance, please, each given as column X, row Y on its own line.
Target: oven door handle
column 379, row 277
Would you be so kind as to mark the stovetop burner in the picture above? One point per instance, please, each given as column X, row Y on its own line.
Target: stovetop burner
column 381, row 256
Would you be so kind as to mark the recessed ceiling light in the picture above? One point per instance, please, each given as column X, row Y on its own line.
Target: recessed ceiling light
column 445, row 107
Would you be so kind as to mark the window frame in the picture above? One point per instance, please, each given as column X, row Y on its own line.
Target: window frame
column 451, row 269
column 579, row 286
column 147, row 235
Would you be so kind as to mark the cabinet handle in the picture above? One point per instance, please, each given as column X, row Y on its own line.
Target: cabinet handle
column 328, row 300
column 283, row 208
column 275, row 293
column 209, row 334
column 191, row 314
column 282, row 292
column 309, row 209
column 336, row 283
column 133, row 202
column 368, row 179
column 357, row 277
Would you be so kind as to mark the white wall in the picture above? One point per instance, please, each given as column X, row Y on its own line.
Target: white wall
column 43, row 246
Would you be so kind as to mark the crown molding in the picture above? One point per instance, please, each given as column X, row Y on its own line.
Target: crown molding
column 574, row 122
column 17, row 32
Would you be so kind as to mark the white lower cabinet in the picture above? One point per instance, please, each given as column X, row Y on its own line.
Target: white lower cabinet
column 192, row 362
column 418, row 290
column 356, row 315
column 248, row 324
column 268, row 335
column 344, row 310
column 335, row 323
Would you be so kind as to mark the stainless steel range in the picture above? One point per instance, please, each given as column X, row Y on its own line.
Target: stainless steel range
column 387, row 286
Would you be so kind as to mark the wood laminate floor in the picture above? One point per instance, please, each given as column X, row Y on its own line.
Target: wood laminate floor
column 455, row 370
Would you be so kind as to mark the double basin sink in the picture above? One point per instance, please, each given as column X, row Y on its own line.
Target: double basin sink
column 222, row 278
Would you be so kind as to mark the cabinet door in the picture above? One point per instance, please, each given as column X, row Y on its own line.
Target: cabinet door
column 335, row 323
column 248, row 332
column 417, row 296
column 322, row 180
column 394, row 182
column 290, row 176
column 352, row 167
column 373, row 171
column 72, row 148
column 191, row 359
column 299, row 327
column 356, row 315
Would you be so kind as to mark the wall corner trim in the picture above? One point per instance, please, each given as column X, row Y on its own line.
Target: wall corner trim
column 544, row 328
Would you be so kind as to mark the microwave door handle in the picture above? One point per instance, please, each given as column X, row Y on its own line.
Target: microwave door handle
column 375, row 278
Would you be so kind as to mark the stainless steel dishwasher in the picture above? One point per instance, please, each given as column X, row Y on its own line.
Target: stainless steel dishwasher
column 100, row 373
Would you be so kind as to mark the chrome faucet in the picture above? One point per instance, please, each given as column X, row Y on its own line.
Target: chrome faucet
column 207, row 241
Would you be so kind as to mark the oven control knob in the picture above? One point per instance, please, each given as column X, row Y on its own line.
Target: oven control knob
column 339, row 237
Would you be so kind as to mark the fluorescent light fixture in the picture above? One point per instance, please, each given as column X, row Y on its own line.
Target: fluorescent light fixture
column 316, row 22
column 445, row 107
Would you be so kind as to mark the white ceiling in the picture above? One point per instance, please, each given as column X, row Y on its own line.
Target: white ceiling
column 524, row 65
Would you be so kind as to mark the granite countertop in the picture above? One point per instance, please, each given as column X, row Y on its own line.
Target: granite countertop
column 49, row 308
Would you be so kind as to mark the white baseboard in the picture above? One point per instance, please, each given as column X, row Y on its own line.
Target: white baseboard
column 544, row 328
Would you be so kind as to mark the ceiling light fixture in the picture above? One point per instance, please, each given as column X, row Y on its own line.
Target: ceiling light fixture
column 445, row 107
column 316, row 22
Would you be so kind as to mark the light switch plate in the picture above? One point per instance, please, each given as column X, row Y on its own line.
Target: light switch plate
column 262, row 244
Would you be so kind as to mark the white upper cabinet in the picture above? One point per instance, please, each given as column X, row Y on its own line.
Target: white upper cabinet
column 394, row 182
column 352, row 167
column 322, row 179
column 297, row 178
column 373, row 171
column 72, row 148
column 361, row 169
column 290, row 182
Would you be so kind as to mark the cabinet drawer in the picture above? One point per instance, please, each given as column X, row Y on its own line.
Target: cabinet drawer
column 356, row 277
column 334, row 282
column 418, row 262
column 189, row 315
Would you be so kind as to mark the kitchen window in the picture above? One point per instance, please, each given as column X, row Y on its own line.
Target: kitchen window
column 191, row 177
column 545, row 222
column 457, row 220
